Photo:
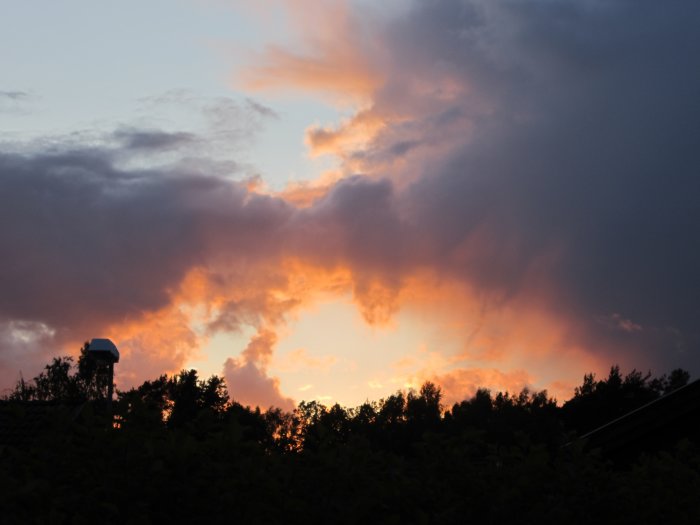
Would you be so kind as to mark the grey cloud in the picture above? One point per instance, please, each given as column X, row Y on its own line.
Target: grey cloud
column 139, row 139
column 14, row 95
column 89, row 243
column 586, row 147
column 562, row 171
column 169, row 98
column 224, row 123
column 261, row 109
column 15, row 101
column 571, row 156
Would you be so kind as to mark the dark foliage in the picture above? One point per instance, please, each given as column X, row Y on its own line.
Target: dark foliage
column 597, row 402
column 177, row 449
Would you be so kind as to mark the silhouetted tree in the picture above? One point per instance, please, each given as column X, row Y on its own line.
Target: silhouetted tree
column 597, row 402
column 179, row 450
column 64, row 381
column 57, row 382
column 145, row 407
column 24, row 391
column 177, row 401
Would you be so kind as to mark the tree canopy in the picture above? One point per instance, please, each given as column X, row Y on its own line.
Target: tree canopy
column 177, row 447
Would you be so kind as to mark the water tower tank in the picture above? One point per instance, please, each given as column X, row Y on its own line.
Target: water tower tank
column 104, row 349
column 103, row 353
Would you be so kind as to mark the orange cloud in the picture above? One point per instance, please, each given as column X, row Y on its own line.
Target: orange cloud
column 471, row 192
column 300, row 358
column 351, row 135
column 259, row 349
column 249, row 385
column 155, row 343
column 335, row 60
column 463, row 383
column 303, row 194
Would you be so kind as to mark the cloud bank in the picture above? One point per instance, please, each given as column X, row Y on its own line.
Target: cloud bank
column 534, row 165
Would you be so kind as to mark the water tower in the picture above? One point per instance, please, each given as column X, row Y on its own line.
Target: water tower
column 103, row 353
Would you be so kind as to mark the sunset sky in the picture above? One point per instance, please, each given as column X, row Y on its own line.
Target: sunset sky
column 333, row 200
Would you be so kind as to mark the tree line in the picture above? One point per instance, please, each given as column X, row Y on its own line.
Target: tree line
column 179, row 446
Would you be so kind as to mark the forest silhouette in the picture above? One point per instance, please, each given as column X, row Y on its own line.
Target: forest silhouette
column 178, row 449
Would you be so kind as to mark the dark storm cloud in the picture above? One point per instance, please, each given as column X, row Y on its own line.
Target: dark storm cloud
column 586, row 119
column 544, row 153
column 548, row 155
column 86, row 243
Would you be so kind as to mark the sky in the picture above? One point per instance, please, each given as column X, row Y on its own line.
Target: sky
column 333, row 200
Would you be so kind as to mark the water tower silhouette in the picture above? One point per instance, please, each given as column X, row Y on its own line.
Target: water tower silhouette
column 103, row 353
